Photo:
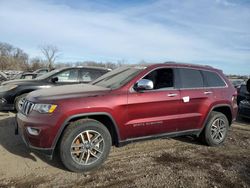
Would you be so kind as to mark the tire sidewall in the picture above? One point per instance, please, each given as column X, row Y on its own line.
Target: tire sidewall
column 214, row 116
column 18, row 99
column 68, row 138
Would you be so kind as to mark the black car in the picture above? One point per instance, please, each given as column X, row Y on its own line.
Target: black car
column 242, row 91
column 12, row 93
column 244, row 105
column 244, row 108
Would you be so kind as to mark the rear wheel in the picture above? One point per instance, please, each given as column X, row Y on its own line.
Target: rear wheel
column 19, row 101
column 216, row 129
column 85, row 145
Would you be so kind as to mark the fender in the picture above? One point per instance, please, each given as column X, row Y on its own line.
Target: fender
column 216, row 106
column 65, row 123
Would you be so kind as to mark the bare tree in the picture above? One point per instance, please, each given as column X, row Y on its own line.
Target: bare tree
column 12, row 57
column 51, row 54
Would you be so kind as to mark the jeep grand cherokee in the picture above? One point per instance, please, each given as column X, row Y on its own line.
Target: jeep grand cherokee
column 125, row 105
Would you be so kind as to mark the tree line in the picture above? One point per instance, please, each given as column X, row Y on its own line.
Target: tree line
column 14, row 58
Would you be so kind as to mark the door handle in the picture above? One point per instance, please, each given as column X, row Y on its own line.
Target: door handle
column 208, row 92
column 172, row 94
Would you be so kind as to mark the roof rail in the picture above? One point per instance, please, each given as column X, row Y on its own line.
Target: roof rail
column 188, row 64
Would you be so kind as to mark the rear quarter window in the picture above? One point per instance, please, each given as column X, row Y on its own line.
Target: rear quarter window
column 213, row 79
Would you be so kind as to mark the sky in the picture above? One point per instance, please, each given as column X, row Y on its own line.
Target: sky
column 211, row 32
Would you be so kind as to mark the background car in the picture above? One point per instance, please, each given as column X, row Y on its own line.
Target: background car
column 242, row 91
column 42, row 71
column 26, row 75
column 244, row 105
column 12, row 93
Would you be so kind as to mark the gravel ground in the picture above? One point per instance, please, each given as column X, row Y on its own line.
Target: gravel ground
column 180, row 162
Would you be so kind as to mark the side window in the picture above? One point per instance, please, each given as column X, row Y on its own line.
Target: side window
column 88, row 75
column 42, row 71
column 28, row 77
column 213, row 79
column 191, row 78
column 161, row 78
column 68, row 76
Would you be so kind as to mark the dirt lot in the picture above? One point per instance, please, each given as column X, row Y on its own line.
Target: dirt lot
column 180, row 162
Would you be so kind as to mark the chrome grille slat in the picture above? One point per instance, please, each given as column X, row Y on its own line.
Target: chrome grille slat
column 27, row 107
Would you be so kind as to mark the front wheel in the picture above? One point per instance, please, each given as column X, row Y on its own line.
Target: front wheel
column 216, row 129
column 85, row 145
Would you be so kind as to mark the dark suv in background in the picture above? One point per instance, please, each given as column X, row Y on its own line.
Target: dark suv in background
column 12, row 93
column 126, row 105
column 244, row 103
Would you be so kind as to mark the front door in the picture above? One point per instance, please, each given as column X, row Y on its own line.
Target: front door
column 155, row 111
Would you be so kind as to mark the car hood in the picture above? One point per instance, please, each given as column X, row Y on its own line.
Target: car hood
column 21, row 82
column 67, row 92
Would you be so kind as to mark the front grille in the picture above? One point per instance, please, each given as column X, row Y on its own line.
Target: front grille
column 27, row 107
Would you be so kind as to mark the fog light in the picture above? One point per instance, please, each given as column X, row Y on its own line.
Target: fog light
column 33, row 131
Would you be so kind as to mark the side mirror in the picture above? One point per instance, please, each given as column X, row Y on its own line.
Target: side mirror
column 54, row 79
column 144, row 84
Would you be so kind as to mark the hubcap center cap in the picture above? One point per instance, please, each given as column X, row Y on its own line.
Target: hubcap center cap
column 87, row 146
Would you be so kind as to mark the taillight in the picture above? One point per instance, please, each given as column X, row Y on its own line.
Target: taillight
column 234, row 98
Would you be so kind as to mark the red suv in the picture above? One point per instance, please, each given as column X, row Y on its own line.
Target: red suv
column 125, row 105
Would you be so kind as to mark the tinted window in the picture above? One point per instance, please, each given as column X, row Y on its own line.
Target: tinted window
column 191, row 78
column 161, row 78
column 213, row 79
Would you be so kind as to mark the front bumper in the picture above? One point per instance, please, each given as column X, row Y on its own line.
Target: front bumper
column 35, row 143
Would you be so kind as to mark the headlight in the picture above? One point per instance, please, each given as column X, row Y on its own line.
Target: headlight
column 45, row 108
column 7, row 87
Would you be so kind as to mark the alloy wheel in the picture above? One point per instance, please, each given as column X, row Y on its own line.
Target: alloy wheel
column 87, row 147
column 218, row 130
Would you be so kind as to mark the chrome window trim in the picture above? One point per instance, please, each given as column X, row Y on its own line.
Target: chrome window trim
column 131, row 89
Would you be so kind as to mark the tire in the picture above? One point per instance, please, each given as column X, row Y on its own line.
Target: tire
column 19, row 101
column 215, row 130
column 85, row 145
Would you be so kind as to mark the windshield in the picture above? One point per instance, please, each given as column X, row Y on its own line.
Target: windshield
column 47, row 75
column 118, row 77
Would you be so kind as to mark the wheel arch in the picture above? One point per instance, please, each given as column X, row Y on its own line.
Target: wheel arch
column 226, row 110
column 223, row 108
column 105, row 118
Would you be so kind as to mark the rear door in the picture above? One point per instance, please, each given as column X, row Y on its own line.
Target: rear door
column 154, row 111
column 195, row 99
